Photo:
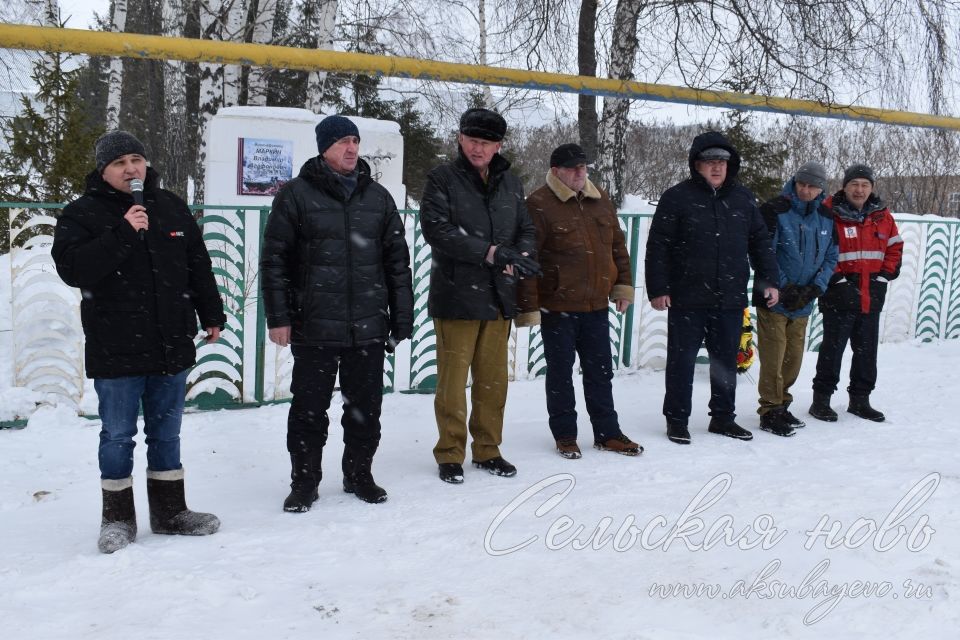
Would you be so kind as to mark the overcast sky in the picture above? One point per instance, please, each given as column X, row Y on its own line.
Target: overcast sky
column 80, row 12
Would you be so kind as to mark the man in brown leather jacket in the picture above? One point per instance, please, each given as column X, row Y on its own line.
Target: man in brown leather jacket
column 585, row 266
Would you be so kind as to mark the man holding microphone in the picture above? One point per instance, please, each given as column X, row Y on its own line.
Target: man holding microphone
column 144, row 279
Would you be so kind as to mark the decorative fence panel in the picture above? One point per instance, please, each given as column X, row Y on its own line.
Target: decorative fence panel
column 245, row 369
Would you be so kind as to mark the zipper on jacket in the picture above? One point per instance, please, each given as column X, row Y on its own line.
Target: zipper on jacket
column 349, row 242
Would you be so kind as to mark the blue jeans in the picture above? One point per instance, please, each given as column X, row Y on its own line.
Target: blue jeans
column 687, row 329
column 587, row 334
column 163, row 398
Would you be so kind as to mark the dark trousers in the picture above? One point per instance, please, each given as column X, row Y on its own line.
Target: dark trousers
column 586, row 334
column 862, row 330
column 361, row 385
column 686, row 331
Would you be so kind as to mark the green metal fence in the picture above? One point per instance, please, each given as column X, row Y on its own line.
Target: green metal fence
column 245, row 369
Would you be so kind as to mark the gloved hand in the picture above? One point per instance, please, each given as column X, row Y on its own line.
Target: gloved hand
column 397, row 335
column 808, row 293
column 790, row 297
column 525, row 266
column 794, row 298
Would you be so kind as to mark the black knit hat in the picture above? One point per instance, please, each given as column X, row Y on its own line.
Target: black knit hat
column 483, row 123
column 332, row 128
column 115, row 144
column 858, row 171
column 568, row 155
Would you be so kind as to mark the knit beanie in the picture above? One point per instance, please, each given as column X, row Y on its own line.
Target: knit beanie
column 858, row 171
column 332, row 128
column 115, row 144
column 484, row 124
column 812, row 173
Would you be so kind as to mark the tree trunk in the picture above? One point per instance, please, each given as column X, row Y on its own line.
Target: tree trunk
column 211, row 97
column 482, row 21
column 611, row 145
column 233, row 31
column 115, row 74
column 263, row 17
column 325, row 21
column 175, row 100
column 587, row 66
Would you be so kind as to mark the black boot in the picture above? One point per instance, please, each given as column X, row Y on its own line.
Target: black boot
column 168, row 507
column 118, row 525
column 820, row 409
column 305, row 475
column 775, row 422
column 358, row 477
column 860, row 406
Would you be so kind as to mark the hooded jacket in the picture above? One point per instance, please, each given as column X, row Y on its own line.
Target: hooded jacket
column 581, row 250
column 804, row 240
column 700, row 239
column 336, row 269
column 140, row 298
column 870, row 255
column 461, row 217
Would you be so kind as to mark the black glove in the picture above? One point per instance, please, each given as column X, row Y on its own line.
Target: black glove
column 808, row 293
column 790, row 297
column 525, row 266
column 397, row 335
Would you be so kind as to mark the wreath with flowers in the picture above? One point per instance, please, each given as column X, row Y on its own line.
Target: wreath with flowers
column 746, row 353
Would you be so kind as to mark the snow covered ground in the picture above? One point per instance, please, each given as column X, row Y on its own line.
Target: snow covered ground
column 433, row 561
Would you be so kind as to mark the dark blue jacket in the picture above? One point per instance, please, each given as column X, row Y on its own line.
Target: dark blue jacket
column 700, row 239
column 804, row 239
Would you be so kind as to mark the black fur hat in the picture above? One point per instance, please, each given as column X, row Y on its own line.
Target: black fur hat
column 483, row 123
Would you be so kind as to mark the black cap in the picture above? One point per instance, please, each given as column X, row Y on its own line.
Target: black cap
column 483, row 123
column 568, row 155
column 858, row 171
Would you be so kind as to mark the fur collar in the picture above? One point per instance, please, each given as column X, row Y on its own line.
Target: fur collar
column 564, row 193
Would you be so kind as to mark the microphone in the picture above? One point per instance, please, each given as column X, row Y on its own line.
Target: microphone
column 136, row 189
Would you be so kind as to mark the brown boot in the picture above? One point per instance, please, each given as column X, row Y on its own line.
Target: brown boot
column 568, row 448
column 620, row 444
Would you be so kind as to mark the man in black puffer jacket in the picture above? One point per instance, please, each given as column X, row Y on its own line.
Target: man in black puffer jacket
column 697, row 266
column 337, row 287
column 482, row 239
column 144, row 275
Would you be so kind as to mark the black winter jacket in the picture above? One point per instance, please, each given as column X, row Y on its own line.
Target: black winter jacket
column 141, row 298
column 461, row 216
column 336, row 270
column 700, row 239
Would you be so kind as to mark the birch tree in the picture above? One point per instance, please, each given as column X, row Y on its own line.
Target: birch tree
column 118, row 24
column 234, row 30
column 613, row 124
column 262, row 15
column 319, row 18
column 212, row 20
